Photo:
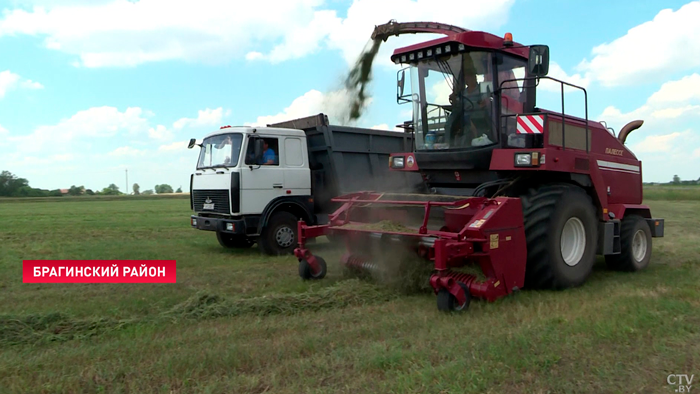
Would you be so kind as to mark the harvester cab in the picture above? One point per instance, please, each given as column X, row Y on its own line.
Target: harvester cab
column 528, row 196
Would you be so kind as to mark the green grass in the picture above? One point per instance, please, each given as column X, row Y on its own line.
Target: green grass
column 238, row 321
column 672, row 193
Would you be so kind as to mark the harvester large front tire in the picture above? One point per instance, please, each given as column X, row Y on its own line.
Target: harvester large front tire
column 561, row 232
column 635, row 243
column 279, row 236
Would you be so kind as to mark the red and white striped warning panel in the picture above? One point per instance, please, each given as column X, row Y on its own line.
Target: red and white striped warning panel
column 530, row 124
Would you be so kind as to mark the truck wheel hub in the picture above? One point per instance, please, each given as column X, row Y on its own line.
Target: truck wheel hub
column 639, row 246
column 573, row 241
column 285, row 237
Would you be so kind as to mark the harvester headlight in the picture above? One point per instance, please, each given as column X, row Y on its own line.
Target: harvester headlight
column 194, row 221
column 523, row 159
column 397, row 162
column 229, row 226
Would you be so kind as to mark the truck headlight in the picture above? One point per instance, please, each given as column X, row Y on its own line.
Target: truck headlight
column 523, row 159
column 397, row 162
column 229, row 226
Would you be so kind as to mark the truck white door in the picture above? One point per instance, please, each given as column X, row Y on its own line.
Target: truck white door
column 265, row 181
column 297, row 176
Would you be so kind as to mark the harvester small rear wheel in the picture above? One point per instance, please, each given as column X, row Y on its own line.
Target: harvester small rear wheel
column 305, row 269
column 446, row 302
column 635, row 243
column 561, row 233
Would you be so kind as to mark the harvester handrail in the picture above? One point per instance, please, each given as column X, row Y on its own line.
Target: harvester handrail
column 563, row 115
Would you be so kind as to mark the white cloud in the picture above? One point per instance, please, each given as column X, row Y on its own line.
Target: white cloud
column 205, row 118
column 659, row 143
column 334, row 104
column 3, row 131
column 11, row 81
column 96, row 122
column 126, row 33
column 650, row 51
column 696, row 153
column 555, row 71
column 160, row 132
column 684, row 90
column 178, row 146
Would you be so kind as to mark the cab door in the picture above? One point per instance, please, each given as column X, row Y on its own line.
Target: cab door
column 260, row 182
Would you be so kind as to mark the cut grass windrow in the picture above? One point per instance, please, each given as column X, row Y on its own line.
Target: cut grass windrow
column 58, row 327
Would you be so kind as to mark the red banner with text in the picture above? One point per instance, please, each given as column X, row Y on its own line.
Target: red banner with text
column 99, row 271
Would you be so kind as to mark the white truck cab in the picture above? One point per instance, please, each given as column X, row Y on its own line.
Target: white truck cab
column 242, row 172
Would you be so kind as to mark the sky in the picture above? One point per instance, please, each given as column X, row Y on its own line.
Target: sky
column 94, row 90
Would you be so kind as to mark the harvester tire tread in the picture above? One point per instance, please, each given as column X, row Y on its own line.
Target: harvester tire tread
column 626, row 261
column 233, row 241
column 545, row 211
column 267, row 240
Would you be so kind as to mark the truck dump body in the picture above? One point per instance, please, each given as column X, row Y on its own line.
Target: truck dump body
column 350, row 159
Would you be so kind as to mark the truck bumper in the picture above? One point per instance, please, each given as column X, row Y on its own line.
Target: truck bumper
column 229, row 226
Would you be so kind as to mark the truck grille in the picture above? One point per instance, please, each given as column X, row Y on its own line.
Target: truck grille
column 220, row 199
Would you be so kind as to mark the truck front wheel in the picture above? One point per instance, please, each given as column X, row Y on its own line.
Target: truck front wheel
column 279, row 236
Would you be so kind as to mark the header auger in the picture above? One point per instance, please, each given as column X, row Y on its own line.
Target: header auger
column 527, row 195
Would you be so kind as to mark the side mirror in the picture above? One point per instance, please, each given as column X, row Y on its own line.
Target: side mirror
column 192, row 143
column 538, row 61
column 400, row 86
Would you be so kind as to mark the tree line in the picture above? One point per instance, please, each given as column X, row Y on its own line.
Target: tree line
column 13, row 186
column 677, row 181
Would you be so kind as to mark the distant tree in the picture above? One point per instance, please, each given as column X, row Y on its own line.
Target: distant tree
column 147, row 192
column 136, row 188
column 26, row 191
column 111, row 190
column 164, row 188
column 676, row 180
column 55, row 193
column 179, row 190
column 75, row 190
column 10, row 184
column 89, row 192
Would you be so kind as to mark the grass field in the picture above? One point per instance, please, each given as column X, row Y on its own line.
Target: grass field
column 238, row 321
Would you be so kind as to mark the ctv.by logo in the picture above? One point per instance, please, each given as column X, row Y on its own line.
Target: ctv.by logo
column 682, row 382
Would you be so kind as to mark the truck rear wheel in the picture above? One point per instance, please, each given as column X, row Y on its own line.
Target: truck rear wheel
column 635, row 243
column 234, row 241
column 561, row 232
column 279, row 237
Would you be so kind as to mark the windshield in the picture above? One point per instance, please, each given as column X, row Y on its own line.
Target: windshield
column 452, row 102
column 220, row 151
